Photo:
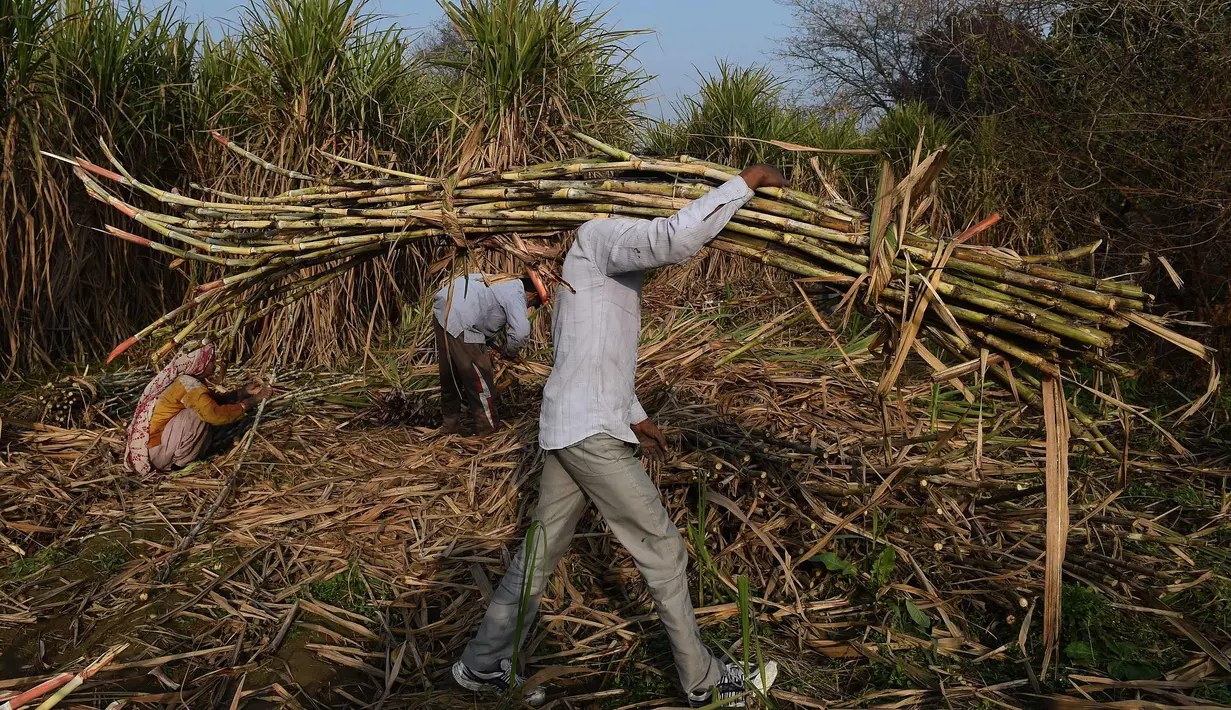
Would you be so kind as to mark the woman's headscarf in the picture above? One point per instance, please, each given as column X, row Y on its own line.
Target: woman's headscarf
column 187, row 362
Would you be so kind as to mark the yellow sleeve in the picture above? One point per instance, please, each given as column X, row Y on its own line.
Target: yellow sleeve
column 210, row 411
column 169, row 404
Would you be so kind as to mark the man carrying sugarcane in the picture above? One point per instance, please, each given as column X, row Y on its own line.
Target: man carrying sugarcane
column 470, row 315
column 590, row 424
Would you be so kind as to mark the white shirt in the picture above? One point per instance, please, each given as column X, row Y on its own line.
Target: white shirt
column 595, row 331
column 478, row 312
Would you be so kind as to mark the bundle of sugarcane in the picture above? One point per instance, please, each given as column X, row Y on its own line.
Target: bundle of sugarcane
column 1026, row 309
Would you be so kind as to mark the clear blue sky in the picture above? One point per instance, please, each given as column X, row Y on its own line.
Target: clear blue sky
column 690, row 34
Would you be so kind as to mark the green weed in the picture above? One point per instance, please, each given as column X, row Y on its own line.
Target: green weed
column 350, row 590
column 49, row 556
column 1095, row 635
column 888, row 675
column 706, row 574
column 113, row 556
column 639, row 684
column 882, row 567
column 1218, row 693
column 1208, row 604
column 533, row 548
column 1084, row 610
column 1188, row 496
column 1185, row 495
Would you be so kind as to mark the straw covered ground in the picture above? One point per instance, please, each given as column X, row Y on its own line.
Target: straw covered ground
column 893, row 556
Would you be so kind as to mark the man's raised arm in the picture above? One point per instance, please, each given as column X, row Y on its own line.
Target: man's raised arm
column 648, row 244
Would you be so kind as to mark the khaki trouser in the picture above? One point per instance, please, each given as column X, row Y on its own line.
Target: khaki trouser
column 466, row 371
column 608, row 472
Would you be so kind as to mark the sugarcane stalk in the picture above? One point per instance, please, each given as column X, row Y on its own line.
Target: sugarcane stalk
column 1029, row 311
column 1106, row 365
column 990, row 321
column 1129, row 292
column 693, row 191
column 265, row 164
column 181, row 253
column 161, row 321
column 973, row 295
column 602, row 147
column 1066, row 255
column 22, row 699
column 1003, row 274
column 722, row 173
column 1101, row 285
column 184, row 333
column 300, row 194
column 387, row 171
column 1025, row 312
column 78, row 680
column 316, row 284
column 285, row 294
column 1103, row 320
column 1027, row 390
column 764, row 253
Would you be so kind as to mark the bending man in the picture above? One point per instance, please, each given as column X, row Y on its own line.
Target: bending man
column 476, row 314
column 590, row 423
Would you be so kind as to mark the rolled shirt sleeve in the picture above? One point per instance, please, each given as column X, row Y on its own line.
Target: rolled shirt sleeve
column 637, row 412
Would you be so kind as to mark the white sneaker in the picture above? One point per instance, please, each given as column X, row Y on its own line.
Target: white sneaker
column 496, row 682
column 733, row 684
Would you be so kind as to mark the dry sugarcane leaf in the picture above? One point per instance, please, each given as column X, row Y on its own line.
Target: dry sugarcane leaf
column 1145, row 322
column 943, row 311
column 1056, row 421
column 551, row 673
column 965, row 368
column 381, row 510
column 830, row 190
column 798, row 700
column 797, row 148
column 1125, row 407
column 1193, row 633
column 1069, row 255
column 920, row 177
column 833, row 337
column 1064, row 702
column 940, row 373
column 1175, row 277
column 730, row 505
column 939, row 260
column 879, row 272
column 911, row 328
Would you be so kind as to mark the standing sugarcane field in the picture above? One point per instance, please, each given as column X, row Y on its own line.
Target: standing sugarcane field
column 615, row 354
